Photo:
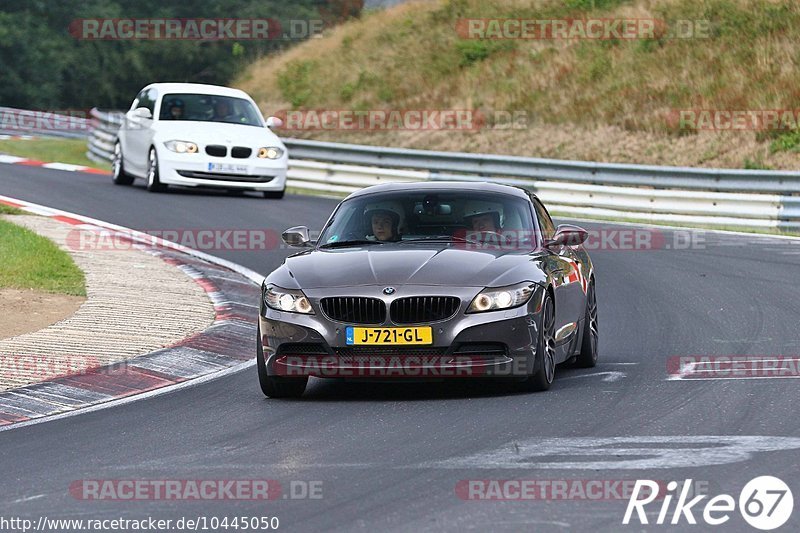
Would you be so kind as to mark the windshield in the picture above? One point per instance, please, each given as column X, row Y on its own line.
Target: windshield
column 428, row 215
column 209, row 108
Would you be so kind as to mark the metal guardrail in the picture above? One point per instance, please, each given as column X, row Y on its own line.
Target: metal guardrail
column 103, row 134
column 713, row 197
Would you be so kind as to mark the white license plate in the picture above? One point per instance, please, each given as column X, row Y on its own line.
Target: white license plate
column 227, row 168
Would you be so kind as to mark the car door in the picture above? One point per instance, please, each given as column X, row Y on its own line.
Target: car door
column 138, row 132
column 562, row 264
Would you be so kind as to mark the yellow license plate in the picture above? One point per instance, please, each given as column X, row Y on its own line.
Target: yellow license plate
column 420, row 335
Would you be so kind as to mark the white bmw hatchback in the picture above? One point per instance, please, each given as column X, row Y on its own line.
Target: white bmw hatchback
column 197, row 135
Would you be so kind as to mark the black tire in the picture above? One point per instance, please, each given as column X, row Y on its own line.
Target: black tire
column 153, row 182
column 274, row 195
column 545, row 349
column 587, row 358
column 118, row 174
column 274, row 386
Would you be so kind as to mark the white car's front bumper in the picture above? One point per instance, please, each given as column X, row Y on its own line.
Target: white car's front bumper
column 195, row 170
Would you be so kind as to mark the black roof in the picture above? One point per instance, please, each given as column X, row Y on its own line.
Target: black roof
column 480, row 186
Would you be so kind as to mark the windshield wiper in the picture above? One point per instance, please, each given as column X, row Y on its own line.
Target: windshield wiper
column 356, row 242
column 437, row 238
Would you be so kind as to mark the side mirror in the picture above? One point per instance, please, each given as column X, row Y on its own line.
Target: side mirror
column 142, row 112
column 296, row 236
column 274, row 122
column 568, row 235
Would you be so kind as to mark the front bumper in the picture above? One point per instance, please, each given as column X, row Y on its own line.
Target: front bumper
column 192, row 170
column 492, row 344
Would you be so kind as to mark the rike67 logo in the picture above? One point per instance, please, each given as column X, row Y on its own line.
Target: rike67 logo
column 765, row 503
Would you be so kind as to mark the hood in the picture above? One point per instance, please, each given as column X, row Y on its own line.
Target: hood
column 403, row 265
column 205, row 133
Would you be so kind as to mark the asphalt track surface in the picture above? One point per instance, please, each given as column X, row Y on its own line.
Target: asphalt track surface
column 390, row 455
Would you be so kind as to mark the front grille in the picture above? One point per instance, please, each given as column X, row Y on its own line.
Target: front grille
column 216, row 150
column 302, row 348
column 354, row 309
column 482, row 349
column 219, row 176
column 241, row 152
column 420, row 309
column 363, row 353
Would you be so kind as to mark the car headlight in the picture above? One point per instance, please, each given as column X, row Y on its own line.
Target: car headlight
column 491, row 299
column 182, row 147
column 289, row 300
column 270, row 152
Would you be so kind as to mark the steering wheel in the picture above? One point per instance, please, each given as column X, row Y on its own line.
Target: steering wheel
column 482, row 235
column 353, row 236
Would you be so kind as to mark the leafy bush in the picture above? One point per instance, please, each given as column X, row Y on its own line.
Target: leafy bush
column 474, row 50
column 295, row 82
column 786, row 142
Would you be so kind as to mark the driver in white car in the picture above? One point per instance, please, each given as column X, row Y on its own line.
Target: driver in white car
column 223, row 112
column 176, row 109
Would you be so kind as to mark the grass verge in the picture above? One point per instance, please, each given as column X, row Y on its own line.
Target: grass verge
column 31, row 261
column 614, row 100
column 71, row 151
column 8, row 210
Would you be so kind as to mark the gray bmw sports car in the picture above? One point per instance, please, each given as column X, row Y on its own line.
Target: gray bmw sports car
column 430, row 280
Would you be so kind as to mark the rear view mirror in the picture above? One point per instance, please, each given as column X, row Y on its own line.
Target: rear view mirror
column 431, row 210
column 296, row 236
column 568, row 235
column 142, row 112
column 274, row 122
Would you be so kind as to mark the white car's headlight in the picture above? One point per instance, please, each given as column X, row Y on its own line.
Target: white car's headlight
column 502, row 298
column 182, row 147
column 289, row 300
column 270, row 152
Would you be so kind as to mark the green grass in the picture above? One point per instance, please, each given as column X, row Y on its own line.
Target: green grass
column 787, row 142
column 8, row 210
column 755, row 164
column 71, row 151
column 739, row 60
column 709, row 54
column 31, row 261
